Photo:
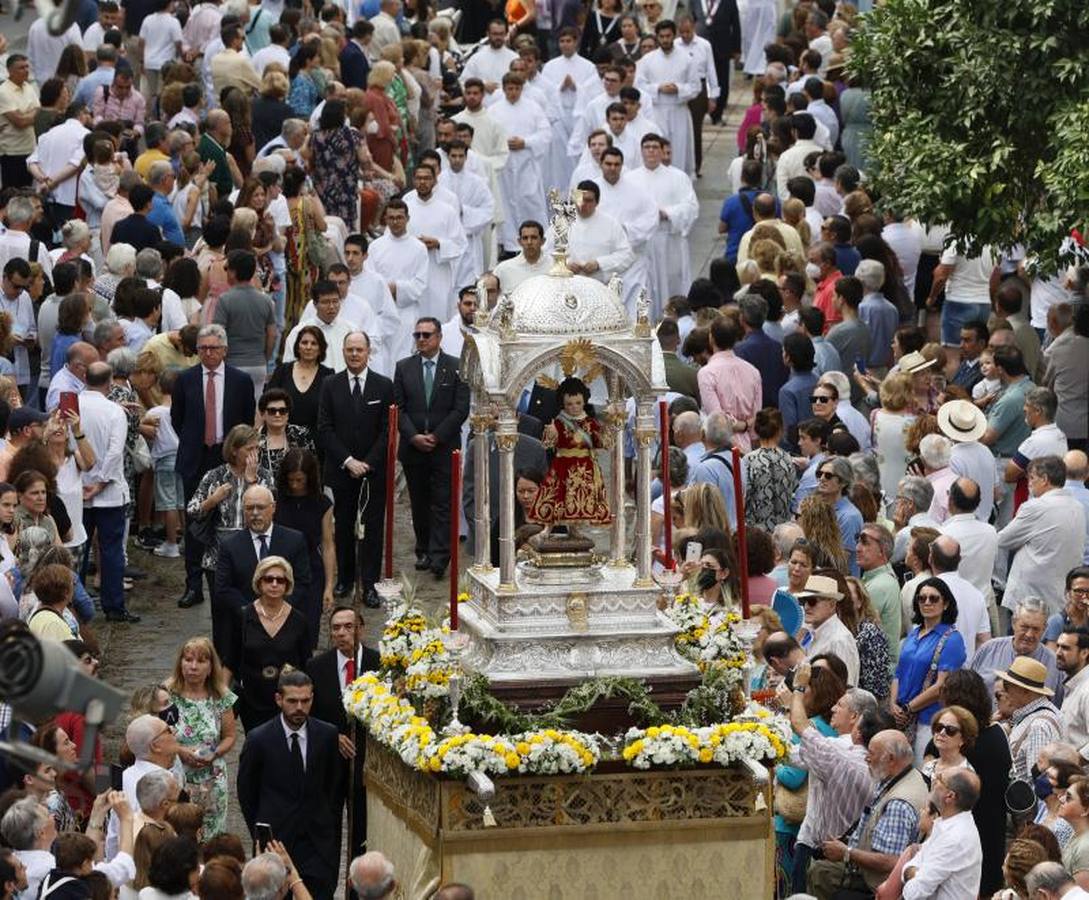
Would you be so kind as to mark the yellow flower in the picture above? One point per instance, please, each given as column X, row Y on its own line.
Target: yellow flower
column 522, row 748
column 705, row 755
column 512, row 760
column 435, row 764
column 654, row 731
column 463, row 597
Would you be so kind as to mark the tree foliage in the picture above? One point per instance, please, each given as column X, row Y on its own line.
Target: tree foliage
column 981, row 117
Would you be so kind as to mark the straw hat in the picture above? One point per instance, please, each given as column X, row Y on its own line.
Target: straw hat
column 961, row 421
column 913, row 362
column 821, row 586
column 1025, row 672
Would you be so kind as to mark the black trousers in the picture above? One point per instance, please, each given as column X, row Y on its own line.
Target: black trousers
column 13, row 171
column 429, row 496
column 345, row 505
column 723, row 64
column 194, row 550
column 698, row 106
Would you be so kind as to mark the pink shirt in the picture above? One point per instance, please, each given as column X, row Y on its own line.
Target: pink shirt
column 729, row 384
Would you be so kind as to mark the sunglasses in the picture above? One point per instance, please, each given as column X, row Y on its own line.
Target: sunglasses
column 817, row 399
column 827, row 476
column 423, row 335
column 276, row 411
column 930, row 598
column 951, row 730
column 274, row 579
column 813, row 601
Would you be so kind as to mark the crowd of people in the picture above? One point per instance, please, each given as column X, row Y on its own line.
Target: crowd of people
column 270, row 222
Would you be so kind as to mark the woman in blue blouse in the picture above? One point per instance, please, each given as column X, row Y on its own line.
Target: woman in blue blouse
column 306, row 88
column 933, row 648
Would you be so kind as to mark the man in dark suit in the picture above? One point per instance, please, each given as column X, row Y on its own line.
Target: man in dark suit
column 288, row 779
column 354, row 67
column 201, row 431
column 240, row 553
column 332, row 671
column 720, row 23
column 680, row 376
column 353, row 430
column 433, row 401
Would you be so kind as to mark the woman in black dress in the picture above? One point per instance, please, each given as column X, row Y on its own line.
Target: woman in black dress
column 302, row 378
column 301, row 505
column 262, row 638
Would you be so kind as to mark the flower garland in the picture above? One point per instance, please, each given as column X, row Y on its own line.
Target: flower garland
column 759, row 736
column 393, row 721
column 710, row 647
column 415, row 651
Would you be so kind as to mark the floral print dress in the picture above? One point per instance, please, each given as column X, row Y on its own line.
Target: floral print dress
column 771, row 482
column 336, row 172
column 199, row 729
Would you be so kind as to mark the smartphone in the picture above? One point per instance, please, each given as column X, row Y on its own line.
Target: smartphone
column 262, row 835
column 693, row 551
column 69, row 402
column 117, row 774
column 860, row 364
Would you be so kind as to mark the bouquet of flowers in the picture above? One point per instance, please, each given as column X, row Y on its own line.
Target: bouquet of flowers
column 415, row 651
column 709, row 645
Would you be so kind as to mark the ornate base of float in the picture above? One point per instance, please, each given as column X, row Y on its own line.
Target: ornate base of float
column 695, row 834
column 558, row 634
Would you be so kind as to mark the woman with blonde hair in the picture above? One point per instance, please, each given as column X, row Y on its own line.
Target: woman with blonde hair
column 766, row 254
column 857, row 613
column 704, row 507
column 817, row 519
column 263, row 639
column 384, row 136
column 890, row 426
column 794, row 216
column 268, row 109
column 399, row 90
column 206, row 727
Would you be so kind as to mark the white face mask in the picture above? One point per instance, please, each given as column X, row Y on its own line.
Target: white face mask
column 372, row 126
column 813, row 271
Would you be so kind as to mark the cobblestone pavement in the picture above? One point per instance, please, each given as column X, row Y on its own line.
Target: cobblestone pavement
column 136, row 655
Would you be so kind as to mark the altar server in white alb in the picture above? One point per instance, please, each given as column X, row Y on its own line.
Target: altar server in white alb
column 477, row 211
column 437, row 226
column 668, row 80
column 520, row 181
column 400, row 260
column 589, row 167
column 671, row 191
column 491, row 61
column 531, row 262
column 597, row 245
column 557, row 165
column 366, row 303
column 489, row 140
column 637, row 213
column 592, row 113
column 623, row 137
column 565, row 73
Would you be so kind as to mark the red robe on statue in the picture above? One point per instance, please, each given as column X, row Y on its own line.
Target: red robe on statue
column 573, row 489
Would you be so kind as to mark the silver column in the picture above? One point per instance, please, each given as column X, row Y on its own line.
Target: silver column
column 645, row 436
column 506, row 437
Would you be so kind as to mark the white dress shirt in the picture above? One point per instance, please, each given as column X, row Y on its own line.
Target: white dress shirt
column 832, row 636
column 972, row 617
column 64, row 380
column 60, row 146
column 342, row 667
column 947, row 866
column 256, row 536
column 106, row 427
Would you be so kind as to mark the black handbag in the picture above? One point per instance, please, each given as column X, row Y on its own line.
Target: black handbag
column 203, row 530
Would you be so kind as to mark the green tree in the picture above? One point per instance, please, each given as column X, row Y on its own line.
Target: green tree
column 981, row 117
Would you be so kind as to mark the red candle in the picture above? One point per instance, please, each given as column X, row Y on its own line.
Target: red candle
column 391, row 463
column 667, row 492
column 742, row 552
column 455, row 505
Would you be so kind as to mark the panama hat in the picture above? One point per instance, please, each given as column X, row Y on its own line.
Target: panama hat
column 961, row 421
column 913, row 362
column 1025, row 672
column 821, row 586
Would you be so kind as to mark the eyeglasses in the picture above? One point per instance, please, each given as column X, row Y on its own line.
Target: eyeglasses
column 423, row 335
column 274, row 579
column 825, row 475
column 816, row 398
column 209, row 347
column 951, row 730
column 1080, row 591
column 929, row 598
column 276, row 411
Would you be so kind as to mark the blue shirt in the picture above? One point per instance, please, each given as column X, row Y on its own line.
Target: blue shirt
column 162, row 214
column 882, row 318
column 767, row 355
column 847, row 259
column 915, row 658
column 807, row 484
column 825, row 357
column 716, row 468
column 849, row 520
column 90, row 86
column 794, row 404
column 737, row 219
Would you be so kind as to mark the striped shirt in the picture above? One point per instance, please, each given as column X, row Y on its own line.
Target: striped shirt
column 839, row 785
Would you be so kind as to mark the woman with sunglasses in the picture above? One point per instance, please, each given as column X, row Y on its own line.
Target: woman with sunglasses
column 932, row 650
column 1074, row 807
column 265, row 636
column 955, row 731
column 1051, row 784
column 823, row 402
column 276, row 436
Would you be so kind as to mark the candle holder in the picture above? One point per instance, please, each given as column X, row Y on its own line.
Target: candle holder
column 669, row 580
column 456, row 644
column 389, row 592
column 747, row 630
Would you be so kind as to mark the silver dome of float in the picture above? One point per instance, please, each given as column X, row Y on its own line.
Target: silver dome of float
column 573, row 320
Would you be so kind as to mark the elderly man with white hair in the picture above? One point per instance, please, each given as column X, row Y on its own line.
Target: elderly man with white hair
column 160, row 179
column 291, row 138
column 1050, row 881
column 857, row 424
column 878, row 314
column 156, row 794
column 686, row 436
column 935, row 451
column 914, row 496
column 16, row 241
column 153, row 744
column 715, row 466
column 785, row 535
column 120, row 263
column 272, row 875
column 372, row 876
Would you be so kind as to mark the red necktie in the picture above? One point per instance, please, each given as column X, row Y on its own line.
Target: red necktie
column 349, row 672
column 210, row 410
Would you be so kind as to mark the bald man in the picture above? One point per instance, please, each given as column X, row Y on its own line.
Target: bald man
column 887, row 825
column 372, row 875
column 238, row 556
column 226, row 176
column 72, row 377
column 1077, row 470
